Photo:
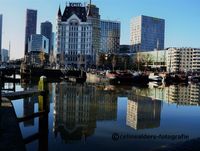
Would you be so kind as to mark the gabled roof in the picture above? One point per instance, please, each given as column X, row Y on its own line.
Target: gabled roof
column 79, row 11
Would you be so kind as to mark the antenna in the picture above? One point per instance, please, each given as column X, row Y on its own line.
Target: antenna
column 157, row 44
column 85, row 4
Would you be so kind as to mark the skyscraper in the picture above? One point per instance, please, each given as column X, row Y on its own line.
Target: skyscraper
column 31, row 26
column 1, row 20
column 110, row 36
column 46, row 30
column 78, row 35
column 4, row 55
column 93, row 17
column 147, row 33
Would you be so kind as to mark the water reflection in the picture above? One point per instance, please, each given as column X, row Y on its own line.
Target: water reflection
column 183, row 95
column 143, row 112
column 29, row 109
column 74, row 111
column 78, row 107
column 91, row 113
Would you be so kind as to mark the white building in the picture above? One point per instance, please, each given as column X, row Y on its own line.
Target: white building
column 36, row 44
column 110, row 36
column 76, row 29
column 4, row 55
column 183, row 60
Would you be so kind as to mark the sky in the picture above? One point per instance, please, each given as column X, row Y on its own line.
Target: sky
column 182, row 19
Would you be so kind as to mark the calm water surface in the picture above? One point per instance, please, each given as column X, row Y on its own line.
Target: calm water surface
column 91, row 117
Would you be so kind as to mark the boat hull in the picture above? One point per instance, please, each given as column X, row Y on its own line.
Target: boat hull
column 130, row 80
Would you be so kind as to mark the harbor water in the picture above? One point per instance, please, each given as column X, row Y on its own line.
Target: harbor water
column 101, row 117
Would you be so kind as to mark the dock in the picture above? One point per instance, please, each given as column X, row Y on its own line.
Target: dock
column 21, row 94
column 11, row 138
column 10, row 135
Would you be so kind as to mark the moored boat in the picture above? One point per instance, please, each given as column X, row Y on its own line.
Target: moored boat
column 155, row 77
column 126, row 77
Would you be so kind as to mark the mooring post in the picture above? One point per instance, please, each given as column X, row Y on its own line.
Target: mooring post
column 1, row 81
column 43, row 99
column 43, row 120
column 14, row 77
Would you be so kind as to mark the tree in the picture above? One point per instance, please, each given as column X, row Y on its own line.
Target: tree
column 147, row 59
column 42, row 57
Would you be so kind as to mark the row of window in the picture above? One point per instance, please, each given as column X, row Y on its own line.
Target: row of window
column 75, row 59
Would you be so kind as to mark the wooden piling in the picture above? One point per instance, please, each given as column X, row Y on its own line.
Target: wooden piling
column 0, row 89
column 43, row 99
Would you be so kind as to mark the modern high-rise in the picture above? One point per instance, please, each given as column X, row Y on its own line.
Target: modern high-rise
column 147, row 33
column 46, row 30
column 31, row 26
column 110, row 36
column 1, row 20
column 93, row 17
column 37, row 43
column 4, row 55
column 78, row 35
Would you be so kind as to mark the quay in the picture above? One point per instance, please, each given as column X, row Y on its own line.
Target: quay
column 10, row 135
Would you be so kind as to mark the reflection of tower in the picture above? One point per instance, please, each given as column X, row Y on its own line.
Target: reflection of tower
column 143, row 112
column 106, row 105
column 75, row 108
column 29, row 109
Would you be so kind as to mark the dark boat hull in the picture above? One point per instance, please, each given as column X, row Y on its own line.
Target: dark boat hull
column 130, row 80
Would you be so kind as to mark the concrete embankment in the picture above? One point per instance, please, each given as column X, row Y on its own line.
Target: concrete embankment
column 10, row 135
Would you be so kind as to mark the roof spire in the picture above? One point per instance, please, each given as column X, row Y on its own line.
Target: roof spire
column 89, row 13
column 59, row 12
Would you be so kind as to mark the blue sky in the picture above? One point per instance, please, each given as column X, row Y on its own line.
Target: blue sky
column 182, row 18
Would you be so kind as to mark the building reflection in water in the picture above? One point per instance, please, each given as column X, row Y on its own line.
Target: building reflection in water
column 143, row 112
column 78, row 107
column 28, row 106
column 106, row 104
column 177, row 94
column 29, row 109
column 41, row 134
column 183, row 95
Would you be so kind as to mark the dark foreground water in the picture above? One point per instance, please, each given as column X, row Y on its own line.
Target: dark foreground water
column 89, row 117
